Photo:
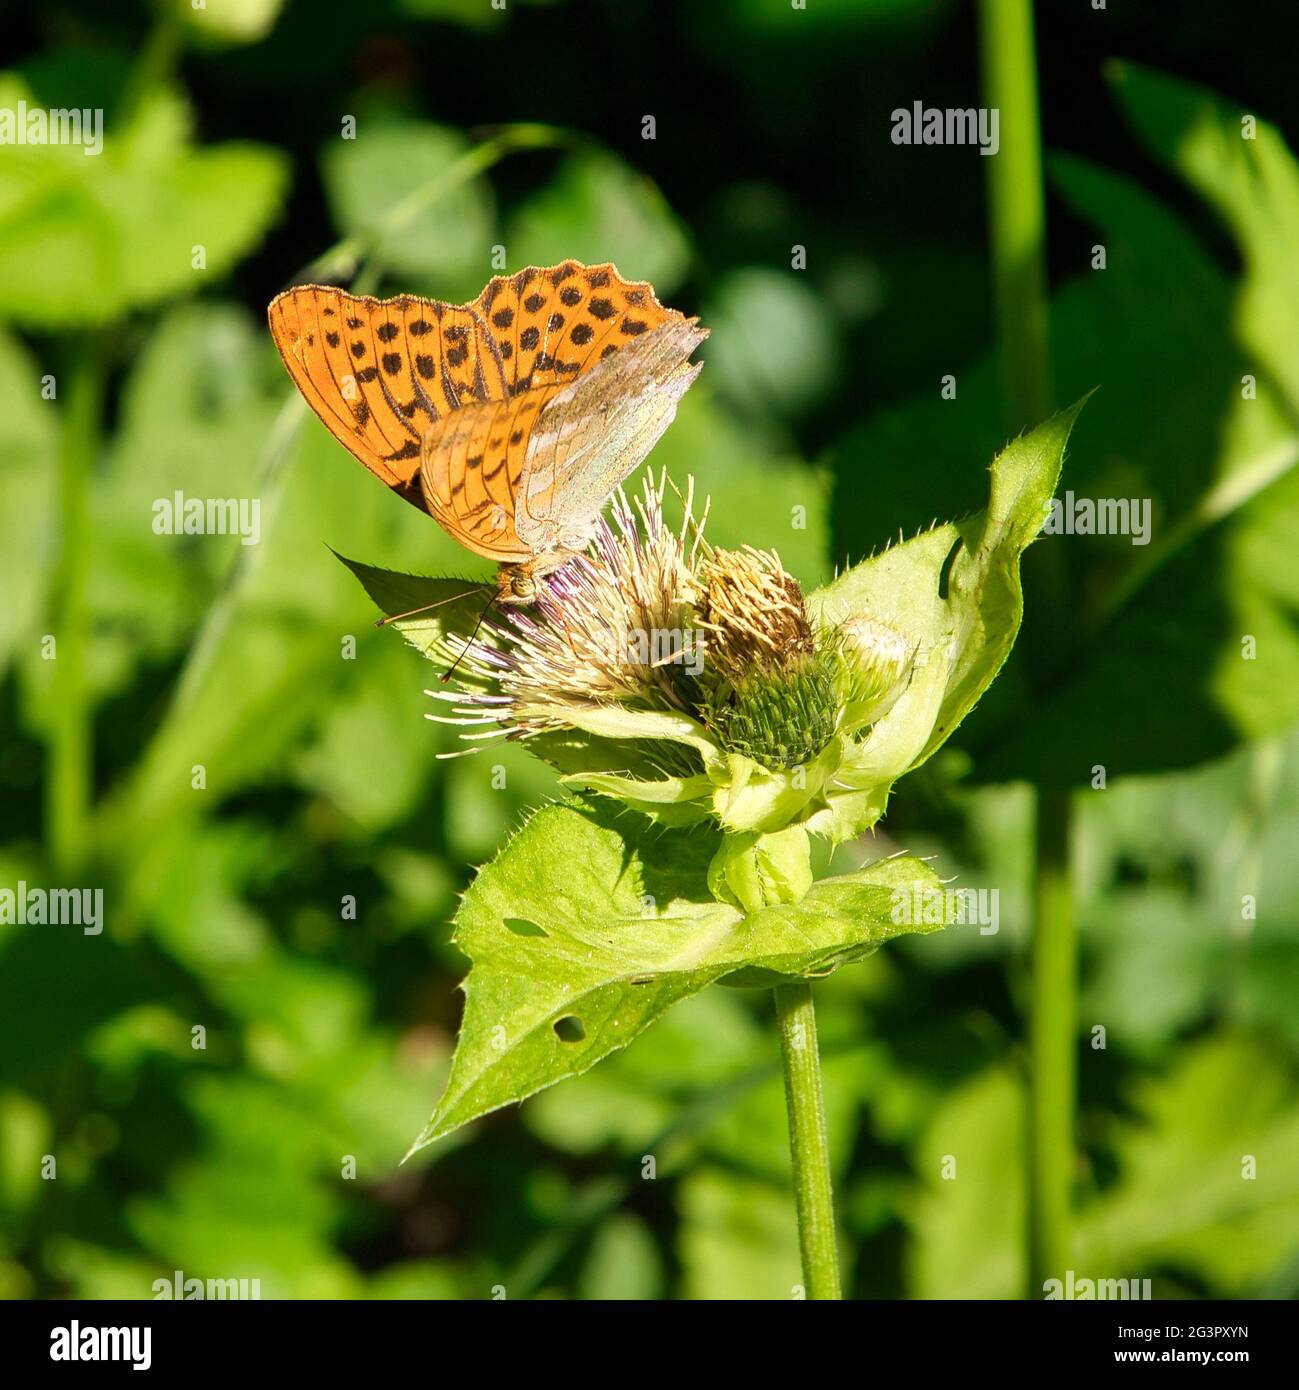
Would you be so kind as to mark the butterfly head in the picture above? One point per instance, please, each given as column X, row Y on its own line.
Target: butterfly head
column 516, row 586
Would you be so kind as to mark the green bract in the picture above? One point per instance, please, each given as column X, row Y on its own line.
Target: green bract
column 931, row 621
column 769, row 718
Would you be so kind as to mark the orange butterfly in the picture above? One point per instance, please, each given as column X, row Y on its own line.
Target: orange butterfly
column 511, row 419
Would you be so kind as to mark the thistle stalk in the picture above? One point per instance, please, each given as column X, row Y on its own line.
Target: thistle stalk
column 808, row 1140
column 1017, row 227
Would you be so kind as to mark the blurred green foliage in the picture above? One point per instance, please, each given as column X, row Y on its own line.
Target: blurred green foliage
column 272, row 1151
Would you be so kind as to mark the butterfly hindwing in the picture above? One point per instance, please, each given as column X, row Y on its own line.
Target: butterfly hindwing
column 472, row 461
column 594, row 433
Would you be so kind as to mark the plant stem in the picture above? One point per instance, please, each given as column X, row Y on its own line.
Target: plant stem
column 1017, row 211
column 71, row 756
column 1052, row 1024
column 805, row 1106
column 1017, row 231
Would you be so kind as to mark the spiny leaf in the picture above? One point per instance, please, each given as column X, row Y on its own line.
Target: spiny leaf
column 619, row 927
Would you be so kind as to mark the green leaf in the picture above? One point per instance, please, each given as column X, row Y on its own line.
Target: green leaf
column 84, row 238
column 739, row 1238
column 623, row 1262
column 231, row 22
column 1156, row 629
column 596, row 208
column 1187, row 1196
column 368, row 178
column 619, row 927
column 775, row 347
column 1241, row 166
column 459, row 602
column 1180, row 1200
column 28, row 470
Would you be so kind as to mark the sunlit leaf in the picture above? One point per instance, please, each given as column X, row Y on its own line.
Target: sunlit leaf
column 626, row 930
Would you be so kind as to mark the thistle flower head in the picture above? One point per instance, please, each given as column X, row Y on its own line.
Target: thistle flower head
column 688, row 680
column 587, row 642
column 755, row 611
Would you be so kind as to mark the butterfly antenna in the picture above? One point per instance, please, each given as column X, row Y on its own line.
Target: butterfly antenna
column 428, row 607
column 450, row 671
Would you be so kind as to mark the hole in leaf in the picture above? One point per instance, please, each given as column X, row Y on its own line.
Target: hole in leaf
column 520, row 926
column 569, row 1028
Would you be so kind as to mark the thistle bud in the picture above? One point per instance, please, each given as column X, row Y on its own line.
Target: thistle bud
column 755, row 612
column 774, row 700
column 876, row 659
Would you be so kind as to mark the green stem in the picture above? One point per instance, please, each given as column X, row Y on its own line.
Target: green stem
column 809, row 1148
column 1017, row 232
column 1017, row 211
column 71, row 755
column 1052, row 1056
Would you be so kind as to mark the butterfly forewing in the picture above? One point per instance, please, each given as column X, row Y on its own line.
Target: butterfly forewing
column 379, row 373
column 552, row 325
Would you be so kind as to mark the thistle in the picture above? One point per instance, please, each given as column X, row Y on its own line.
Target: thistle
column 699, row 685
column 703, row 688
column 774, row 696
column 688, row 681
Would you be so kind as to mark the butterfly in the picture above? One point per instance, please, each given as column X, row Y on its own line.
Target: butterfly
column 511, row 419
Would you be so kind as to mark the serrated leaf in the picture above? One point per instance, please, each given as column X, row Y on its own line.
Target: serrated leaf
column 457, row 600
column 453, row 606
column 619, row 926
